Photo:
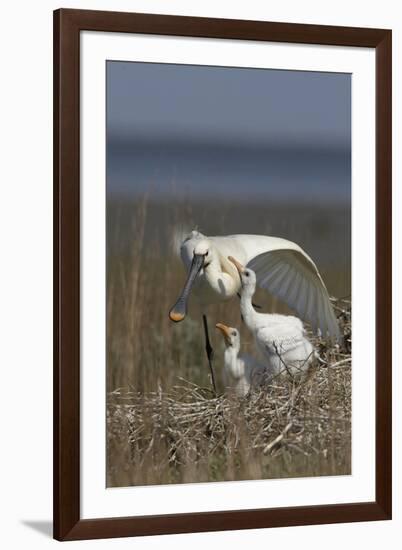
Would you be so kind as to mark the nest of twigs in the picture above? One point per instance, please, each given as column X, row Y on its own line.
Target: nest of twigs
column 290, row 426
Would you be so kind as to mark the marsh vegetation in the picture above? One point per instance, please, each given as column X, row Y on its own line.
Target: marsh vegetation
column 164, row 424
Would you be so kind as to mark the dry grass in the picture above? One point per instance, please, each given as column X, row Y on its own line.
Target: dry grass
column 290, row 427
column 164, row 424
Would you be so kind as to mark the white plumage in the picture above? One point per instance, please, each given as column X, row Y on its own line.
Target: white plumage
column 280, row 338
column 241, row 371
column 281, row 267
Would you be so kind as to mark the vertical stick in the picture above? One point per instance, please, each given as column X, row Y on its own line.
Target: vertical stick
column 209, row 350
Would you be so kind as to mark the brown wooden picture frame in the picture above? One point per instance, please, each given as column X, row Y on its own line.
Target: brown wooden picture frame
column 67, row 26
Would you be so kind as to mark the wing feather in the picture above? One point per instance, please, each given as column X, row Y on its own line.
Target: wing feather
column 274, row 273
column 321, row 321
column 292, row 276
column 294, row 289
column 287, row 282
column 301, row 299
column 310, row 304
column 276, row 282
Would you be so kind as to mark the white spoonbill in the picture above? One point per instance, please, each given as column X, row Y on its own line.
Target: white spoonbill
column 280, row 338
column 240, row 371
column 281, row 267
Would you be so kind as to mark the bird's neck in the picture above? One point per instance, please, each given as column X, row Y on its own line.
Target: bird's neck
column 231, row 360
column 247, row 310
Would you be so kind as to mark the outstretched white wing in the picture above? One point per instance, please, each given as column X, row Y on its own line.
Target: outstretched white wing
column 294, row 278
column 286, row 271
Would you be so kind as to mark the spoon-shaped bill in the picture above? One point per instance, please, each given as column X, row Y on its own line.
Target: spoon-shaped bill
column 179, row 310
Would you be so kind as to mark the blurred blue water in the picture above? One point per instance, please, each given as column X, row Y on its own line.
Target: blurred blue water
column 226, row 132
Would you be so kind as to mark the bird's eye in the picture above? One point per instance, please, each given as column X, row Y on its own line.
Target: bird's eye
column 207, row 252
column 234, row 333
column 246, row 273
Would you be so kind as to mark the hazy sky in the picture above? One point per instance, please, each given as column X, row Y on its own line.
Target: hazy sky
column 273, row 133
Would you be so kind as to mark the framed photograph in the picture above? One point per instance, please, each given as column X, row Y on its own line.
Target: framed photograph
column 222, row 274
